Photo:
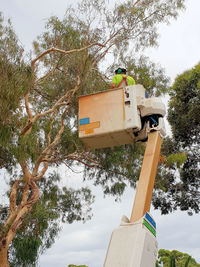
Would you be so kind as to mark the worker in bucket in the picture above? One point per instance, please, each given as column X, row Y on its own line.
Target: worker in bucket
column 121, row 79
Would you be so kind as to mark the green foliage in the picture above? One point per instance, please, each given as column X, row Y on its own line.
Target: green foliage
column 178, row 158
column 119, row 166
column 175, row 258
column 55, row 75
column 181, row 189
column 27, row 249
column 138, row 22
column 184, row 107
column 15, row 80
column 42, row 225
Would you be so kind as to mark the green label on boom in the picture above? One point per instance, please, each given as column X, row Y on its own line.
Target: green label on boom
column 149, row 227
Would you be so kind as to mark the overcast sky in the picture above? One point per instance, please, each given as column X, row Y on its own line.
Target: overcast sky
column 87, row 243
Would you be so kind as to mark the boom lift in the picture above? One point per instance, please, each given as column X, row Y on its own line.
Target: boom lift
column 123, row 116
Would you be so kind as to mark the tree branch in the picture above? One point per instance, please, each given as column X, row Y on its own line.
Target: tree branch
column 27, row 128
column 27, row 174
column 82, row 157
column 13, row 196
column 53, row 49
column 50, row 130
column 58, row 104
column 136, row 2
column 42, row 172
column 28, row 110
column 24, row 196
column 103, row 54
column 12, row 211
column 20, row 214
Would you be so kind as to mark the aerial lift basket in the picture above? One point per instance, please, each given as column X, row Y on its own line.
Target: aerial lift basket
column 114, row 117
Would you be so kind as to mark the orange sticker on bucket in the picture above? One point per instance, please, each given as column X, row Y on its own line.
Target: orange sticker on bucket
column 90, row 126
column 90, row 131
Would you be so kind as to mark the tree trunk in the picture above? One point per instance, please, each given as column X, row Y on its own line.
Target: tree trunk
column 3, row 254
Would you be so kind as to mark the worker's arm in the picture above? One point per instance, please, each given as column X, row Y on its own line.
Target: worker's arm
column 114, row 82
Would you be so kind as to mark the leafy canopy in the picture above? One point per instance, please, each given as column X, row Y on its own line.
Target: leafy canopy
column 181, row 190
column 42, row 225
column 175, row 258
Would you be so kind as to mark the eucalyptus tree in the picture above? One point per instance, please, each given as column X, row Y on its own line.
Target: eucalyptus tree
column 39, row 99
column 181, row 188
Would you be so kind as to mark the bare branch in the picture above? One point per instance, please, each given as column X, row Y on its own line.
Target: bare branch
column 28, row 110
column 25, row 170
column 25, row 195
column 111, row 38
column 27, row 128
column 41, row 94
column 51, row 145
column 56, row 140
column 114, row 35
column 50, row 130
column 83, row 158
column 42, row 172
column 103, row 54
column 53, row 49
column 136, row 2
column 58, row 104
column 13, row 196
